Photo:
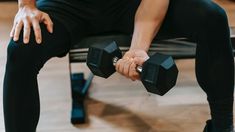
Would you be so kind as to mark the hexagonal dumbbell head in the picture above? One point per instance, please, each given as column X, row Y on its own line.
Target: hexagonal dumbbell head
column 159, row 74
column 100, row 58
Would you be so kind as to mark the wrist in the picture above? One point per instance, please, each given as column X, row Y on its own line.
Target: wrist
column 30, row 4
column 140, row 41
column 140, row 46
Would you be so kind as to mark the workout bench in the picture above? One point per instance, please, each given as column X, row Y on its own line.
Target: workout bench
column 178, row 48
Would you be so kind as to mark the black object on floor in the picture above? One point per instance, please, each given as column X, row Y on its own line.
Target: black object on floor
column 79, row 89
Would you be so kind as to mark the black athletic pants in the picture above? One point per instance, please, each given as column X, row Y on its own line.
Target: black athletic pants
column 199, row 20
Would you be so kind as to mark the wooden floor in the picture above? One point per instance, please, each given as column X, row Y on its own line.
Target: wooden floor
column 115, row 104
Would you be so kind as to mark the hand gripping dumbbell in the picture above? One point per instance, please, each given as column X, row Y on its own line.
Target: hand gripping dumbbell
column 158, row 73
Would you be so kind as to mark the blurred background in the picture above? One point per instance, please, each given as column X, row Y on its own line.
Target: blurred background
column 115, row 104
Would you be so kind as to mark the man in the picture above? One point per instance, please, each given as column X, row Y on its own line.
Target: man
column 48, row 28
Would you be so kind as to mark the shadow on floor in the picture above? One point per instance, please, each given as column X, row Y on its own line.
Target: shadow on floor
column 126, row 119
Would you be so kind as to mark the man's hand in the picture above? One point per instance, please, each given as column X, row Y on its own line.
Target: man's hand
column 127, row 65
column 28, row 16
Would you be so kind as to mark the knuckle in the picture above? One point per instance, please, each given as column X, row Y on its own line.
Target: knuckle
column 37, row 29
column 34, row 17
column 45, row 15
column 25, row 17
column 26, row 28
column 51, row 24
column 19, row 23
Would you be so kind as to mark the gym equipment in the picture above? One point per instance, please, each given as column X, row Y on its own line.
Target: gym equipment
column 79, row 91
column 158, row 74
column 178, row 48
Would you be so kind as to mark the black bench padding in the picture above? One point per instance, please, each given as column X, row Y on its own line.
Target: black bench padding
column 178, row 47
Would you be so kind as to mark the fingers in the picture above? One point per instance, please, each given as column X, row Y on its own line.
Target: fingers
column 48, row 22
column 13, row 30
column 139, row 61
column 127, row 68
column 133, row 74
column 122, row 66
column 27, row 18
column 17, row 30
column 37, row 31
column 26, row 32
column 119, row 66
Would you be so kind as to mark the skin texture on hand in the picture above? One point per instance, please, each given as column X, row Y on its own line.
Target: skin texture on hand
column 128, row 64
column 29, row 16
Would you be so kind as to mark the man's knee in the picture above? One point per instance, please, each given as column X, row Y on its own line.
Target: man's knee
column 21, row 56
column 212, row 16
column 213, row 29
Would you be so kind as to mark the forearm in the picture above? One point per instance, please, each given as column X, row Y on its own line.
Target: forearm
column 148, row 20
column 22, row 3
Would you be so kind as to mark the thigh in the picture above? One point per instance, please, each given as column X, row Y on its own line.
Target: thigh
column 183, row 18
column 186, row 18
column 75, row 16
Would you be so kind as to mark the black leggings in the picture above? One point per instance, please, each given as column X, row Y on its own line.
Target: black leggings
column 199, row 20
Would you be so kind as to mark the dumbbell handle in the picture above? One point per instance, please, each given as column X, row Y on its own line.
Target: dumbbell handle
column 138, row 68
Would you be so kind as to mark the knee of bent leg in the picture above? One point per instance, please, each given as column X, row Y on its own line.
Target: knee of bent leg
column 20, row 55
column 213, row 25
column 213, row 16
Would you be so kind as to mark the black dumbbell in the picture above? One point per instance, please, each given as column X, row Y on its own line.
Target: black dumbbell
column 158, row 74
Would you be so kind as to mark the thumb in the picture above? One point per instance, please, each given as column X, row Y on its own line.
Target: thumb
column 139, row 61
column 48, row 22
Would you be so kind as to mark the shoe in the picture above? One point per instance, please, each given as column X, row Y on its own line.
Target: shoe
column 209, row 128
